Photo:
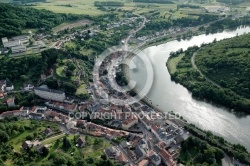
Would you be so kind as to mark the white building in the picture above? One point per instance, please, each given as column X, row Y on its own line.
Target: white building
column 10, row 44
column 18, row 49
column 21, row 38
column 50, row 94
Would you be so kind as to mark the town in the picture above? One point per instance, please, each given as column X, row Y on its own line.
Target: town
column 65, row 96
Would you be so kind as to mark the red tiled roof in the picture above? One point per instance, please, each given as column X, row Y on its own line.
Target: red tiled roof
column 155, row 128
column 9, row 113
column 143, row 162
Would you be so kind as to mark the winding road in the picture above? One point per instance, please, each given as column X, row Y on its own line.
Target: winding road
column 196, row 68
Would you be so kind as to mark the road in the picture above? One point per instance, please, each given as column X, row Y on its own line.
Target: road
column 208, row 79
column 132, row 32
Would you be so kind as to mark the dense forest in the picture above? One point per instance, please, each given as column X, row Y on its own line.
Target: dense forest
column 14, row 19
column 226, row 63
column 204, row 153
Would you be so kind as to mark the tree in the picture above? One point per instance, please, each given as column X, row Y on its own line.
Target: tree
column 66, row 143
column 45, row 151
column 4, row 137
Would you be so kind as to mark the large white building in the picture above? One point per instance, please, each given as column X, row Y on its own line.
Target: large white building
column 50, row 94
column 17, row 49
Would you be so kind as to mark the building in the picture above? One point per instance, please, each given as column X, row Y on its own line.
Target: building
column 21, row 38
column 6, row 85
column 27, row 144
column 10, row 44
column 10, row 113
column 50, row 94
column 28, row 87
column 80, row 142
column 144, row 162
column 155, row 159
column 129, row 121
column 48, row 131
column 4, row 40
column 18, row 49
column 11, row 102
column 112, row 152
column 140, row 152
column 1, row 94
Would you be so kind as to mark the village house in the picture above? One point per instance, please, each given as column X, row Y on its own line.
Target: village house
column 1, row 94
column 166, row 157
column 80, row 123
column 24, row 111
column 144, row 162
column 10, row 113
column 48, row 131
column 27, row 144
column 155, row 158
column 112, row 152
column 6, row 85
column 63, row 107
column 80, row 142
column 36, row 116
column 140, row 152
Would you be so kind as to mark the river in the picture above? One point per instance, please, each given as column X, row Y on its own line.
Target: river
column 169, row 96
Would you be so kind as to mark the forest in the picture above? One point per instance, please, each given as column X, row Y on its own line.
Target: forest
column 226, row 63
column 14, row 19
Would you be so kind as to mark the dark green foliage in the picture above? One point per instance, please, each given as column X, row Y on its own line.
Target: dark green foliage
column 14, row 19
column 14, row 69
column 4, row 137
column 204, row 153
column 225, row 62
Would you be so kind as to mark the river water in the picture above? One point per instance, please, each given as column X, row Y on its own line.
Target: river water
column 169, row 96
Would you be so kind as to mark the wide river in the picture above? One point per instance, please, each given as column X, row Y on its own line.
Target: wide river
column 169, row 96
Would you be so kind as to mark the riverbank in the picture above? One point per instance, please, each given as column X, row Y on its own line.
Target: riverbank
column 202, row 86
column 206, row 116
column 234, row 151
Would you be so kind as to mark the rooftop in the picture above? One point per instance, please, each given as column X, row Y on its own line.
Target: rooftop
column 49, row 90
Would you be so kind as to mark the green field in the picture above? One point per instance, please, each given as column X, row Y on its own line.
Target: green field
column 173, row 62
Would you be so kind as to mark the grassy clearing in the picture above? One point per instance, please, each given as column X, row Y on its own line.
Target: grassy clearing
column 81, row 89
column 172, row 63
column 69, row 25
column 52, row 139
column 8, row 163
column 17, row 140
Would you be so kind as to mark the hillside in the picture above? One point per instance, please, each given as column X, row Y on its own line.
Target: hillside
column 225, row 72
column 227, row 63
column 14, row 19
